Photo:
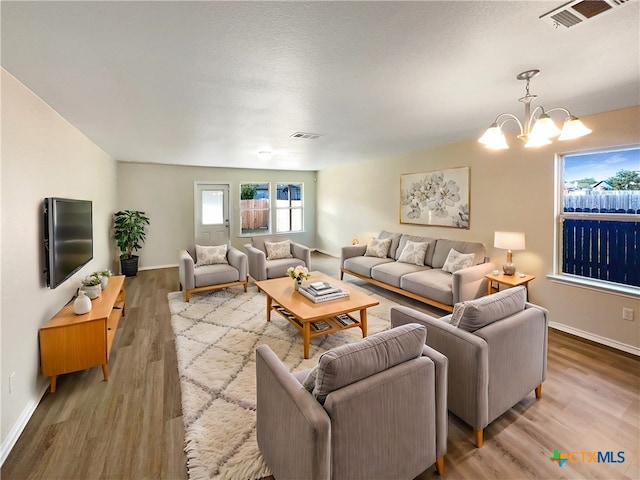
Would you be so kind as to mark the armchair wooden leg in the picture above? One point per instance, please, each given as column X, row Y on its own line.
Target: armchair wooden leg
column 440, row 465
column 539, row 391
column 187, row 295
column 246, row 283
column 478, row 437
column 341, row 274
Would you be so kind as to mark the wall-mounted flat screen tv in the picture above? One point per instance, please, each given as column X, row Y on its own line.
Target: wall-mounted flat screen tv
column 68, row 237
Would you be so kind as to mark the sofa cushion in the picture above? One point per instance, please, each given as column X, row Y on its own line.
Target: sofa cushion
column 278, row 268
column 378, row 247
column 349, row 363
column 391, row 272
column 278, row 250
column 414, row 238
column 210, row 254
column 215, row 275
column 443, row 247
column 432, row 283
column 414, row 252
column 395, row 241
column 457, row 261
column 483, row 311
column 363, row 265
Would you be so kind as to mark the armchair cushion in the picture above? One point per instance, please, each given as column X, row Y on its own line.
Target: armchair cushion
column 349, row 363
column 211, row 255
column 278, row 250
column 491, row 308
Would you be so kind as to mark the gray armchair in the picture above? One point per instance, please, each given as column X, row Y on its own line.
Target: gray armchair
column 375, row 408
column 195, row 278
column 263, row 267
column 497, row 353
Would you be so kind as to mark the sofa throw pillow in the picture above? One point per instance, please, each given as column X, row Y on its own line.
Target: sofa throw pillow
column 378, row 247
column 485, row 310
column 414, row 253
column 210, row 255
column 457, row 261
column 456, row 316
column 278, row 250
column 349, row 363
column 310, row 382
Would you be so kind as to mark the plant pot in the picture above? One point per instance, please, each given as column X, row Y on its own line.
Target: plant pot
column 92, row 291
column 129, row 266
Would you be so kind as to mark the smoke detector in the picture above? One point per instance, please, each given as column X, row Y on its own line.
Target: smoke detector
column 310, row 136
column 578, row 11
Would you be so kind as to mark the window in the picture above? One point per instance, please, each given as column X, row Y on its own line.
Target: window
column 288, row 207
column 254, row 208
column 599, row 216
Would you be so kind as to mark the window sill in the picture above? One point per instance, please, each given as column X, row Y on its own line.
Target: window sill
column 580, row 282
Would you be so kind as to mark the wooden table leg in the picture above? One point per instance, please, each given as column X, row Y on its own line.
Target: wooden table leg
column 54, row 379
column 105, row 371
column 306, row 336
column 363, row 322
column 269, row 303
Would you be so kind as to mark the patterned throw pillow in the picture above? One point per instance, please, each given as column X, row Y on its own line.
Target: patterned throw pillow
column 414, row 252
column 457, row 261
column 378, row 248
column 278, row 250
column 456, row 316
column 211, row 255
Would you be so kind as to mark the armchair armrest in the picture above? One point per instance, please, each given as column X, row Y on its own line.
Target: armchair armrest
column 441, row 363
column 257, row 261
column 238, row 260
column 351, row 251
column 467, row 388
column 186, row 270
column 287, row 413
column 469, row 283
column 302, row 252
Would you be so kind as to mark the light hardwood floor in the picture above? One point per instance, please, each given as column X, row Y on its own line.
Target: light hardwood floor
column 131, row 426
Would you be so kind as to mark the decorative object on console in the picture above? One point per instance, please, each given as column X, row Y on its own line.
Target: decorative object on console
column 92, row 286
column 129, row 233
column 82, row 303
column 536, row 131
column 509, row 241
column 436, row 198
column 104, row 278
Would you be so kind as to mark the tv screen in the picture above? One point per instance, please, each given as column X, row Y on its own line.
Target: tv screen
column 68, row 242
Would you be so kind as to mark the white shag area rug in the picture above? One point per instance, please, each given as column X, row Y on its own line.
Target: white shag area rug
column 216, row 338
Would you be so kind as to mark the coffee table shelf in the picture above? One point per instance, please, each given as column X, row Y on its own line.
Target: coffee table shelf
column 302, row 312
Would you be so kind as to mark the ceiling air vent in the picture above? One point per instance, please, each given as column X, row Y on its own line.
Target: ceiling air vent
column 310, row 136
column 578, row 11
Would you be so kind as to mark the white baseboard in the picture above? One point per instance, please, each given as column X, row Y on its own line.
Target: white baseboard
column 20, row 425
column 156, row 267
column 596, row 338
column 326, row 253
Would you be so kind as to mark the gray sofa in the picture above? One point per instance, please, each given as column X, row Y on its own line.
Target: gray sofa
column 428, row 283
column 497, row 353
column 375, row 408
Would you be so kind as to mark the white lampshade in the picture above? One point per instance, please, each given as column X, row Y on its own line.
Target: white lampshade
column 509, row 240
column 494, row 138
column 545, row 127
column 536, row 141
column 573, row 128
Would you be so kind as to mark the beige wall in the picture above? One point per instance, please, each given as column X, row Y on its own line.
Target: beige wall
column 42, row 156
column 511, row 190
column 166, row 194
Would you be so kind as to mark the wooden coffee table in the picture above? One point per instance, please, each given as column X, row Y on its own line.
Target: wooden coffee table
column 280, row 293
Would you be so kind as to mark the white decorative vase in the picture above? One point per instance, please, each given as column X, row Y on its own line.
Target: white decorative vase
column 103, row 281
column 92, row 291
column 82, row 304
column 297, row 284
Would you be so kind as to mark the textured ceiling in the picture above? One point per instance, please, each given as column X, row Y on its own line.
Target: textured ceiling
column 212, row 83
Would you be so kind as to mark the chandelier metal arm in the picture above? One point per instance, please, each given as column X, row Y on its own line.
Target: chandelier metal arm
column 510, row 117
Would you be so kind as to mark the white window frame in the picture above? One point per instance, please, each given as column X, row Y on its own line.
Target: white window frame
column 580, row 281
column 290, row 208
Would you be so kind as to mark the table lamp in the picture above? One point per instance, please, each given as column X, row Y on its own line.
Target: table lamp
column 509, row 241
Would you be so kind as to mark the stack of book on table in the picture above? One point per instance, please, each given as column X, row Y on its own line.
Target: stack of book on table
column 322, row 291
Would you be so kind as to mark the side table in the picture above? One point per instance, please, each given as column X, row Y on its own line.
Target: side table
column 508, row 280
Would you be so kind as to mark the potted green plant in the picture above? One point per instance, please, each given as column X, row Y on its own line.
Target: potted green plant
column 129, row 233
column 91, row 286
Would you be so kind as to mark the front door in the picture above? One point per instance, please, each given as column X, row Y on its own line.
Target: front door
column 211, row 207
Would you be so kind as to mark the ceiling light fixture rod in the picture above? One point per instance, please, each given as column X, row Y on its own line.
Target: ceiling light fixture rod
column 535, row 131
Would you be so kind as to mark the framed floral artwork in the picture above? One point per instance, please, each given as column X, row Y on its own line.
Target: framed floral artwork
column 436, row 198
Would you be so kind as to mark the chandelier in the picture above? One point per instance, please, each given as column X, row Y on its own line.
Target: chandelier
column 535, row 131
